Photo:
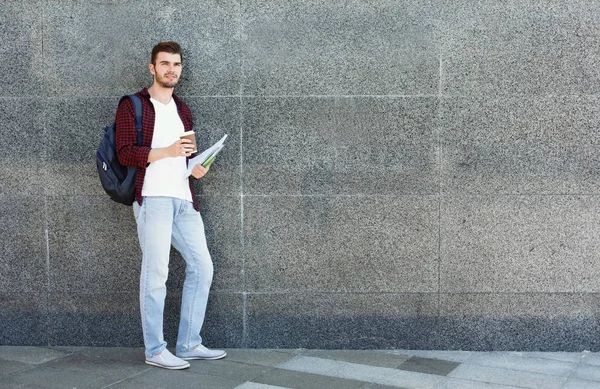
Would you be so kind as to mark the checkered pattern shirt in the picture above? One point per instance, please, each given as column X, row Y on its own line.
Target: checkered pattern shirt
column 128, row 152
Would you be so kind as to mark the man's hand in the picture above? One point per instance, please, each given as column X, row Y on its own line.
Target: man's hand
column 199, row 171
column 181, row 148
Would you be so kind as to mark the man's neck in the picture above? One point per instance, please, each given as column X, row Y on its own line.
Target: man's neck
column 161, row 94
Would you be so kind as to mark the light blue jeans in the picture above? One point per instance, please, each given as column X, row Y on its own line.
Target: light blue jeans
column 162, row 221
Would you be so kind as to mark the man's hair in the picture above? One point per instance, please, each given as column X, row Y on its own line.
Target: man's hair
column 167, row 47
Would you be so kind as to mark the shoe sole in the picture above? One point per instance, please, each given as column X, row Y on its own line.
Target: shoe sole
column 168, row 367
column 202, row 358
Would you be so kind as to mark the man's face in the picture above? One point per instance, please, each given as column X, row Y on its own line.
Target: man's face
column 166, row 69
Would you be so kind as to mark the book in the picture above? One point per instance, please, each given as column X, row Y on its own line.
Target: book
column 211, row 157
column 206, row 157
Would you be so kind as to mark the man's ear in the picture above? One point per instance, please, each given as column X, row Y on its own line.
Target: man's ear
column 151, row 67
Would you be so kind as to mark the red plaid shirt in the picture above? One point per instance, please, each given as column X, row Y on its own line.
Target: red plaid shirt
column 128, row 152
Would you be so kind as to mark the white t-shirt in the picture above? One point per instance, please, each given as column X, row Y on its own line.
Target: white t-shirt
column 165, row 177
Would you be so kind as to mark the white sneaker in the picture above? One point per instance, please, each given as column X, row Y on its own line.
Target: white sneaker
column 201, row 352
column 166, row 360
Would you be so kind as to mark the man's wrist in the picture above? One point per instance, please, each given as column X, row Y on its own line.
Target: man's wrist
column 157, row 153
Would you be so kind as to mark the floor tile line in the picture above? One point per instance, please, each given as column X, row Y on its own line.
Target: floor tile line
column 126, row 378
column 581, row 379
column 485, row 382
column 349, row 370
column 498, row 371
column 249, row 384
column 572, row 372
column 305, row 373
column 522, row 370
column 527, row 354
column 25, row 368
column 275, row 367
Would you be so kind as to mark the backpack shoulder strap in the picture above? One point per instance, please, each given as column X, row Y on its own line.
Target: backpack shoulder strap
column 137, row 107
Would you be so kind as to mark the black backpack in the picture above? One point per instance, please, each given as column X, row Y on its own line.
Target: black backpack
column 118, row 180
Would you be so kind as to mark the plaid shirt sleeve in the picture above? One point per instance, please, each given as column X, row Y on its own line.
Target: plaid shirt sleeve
column 128, row 152
column 186, row 117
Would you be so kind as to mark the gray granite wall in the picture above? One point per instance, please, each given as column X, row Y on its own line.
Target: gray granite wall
column 399, row 174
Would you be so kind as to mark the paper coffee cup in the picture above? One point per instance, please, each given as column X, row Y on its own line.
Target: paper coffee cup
column 191, row 136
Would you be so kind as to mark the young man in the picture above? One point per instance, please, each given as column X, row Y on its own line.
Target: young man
column 166, row 211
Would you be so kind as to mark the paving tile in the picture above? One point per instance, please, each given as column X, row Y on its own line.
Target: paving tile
column 8, row 367
column 587, row 372
column 304, row 380
column 67, row 349
column 371, row 358
column 158, row 378
column 124, row 354
column 429, row 366
column 514, row 361
column 557, row 356
column 259, row 357
column 29, row 354
column 591, row 358
column 131, row 384
column 457, row 383
column 228, row 369
column 254, row 385
column 97, row 367
column 455, row 356
column 379, row 375
column 10, row 383
column 51, row 378
column 581, row 384
column 378, row 386
column 508, row 377
column 113, row 369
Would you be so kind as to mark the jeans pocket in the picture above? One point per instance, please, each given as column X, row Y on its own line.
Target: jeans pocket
column 137, row 210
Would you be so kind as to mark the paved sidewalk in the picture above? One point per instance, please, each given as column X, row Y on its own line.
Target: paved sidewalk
column 90, row 367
